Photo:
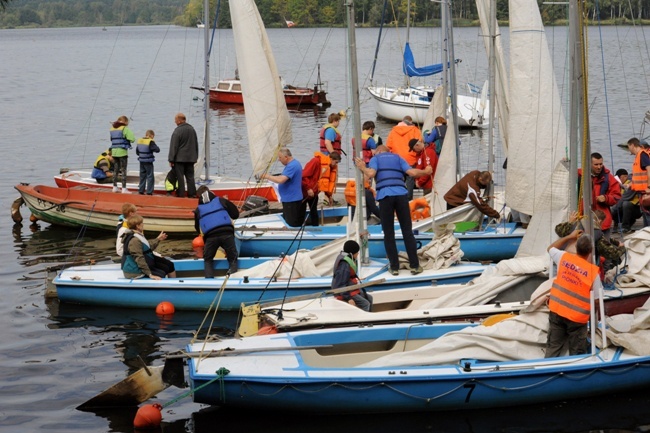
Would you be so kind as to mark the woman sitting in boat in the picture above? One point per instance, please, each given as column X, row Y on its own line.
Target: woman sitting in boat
column 345, row 274
column 138, row 259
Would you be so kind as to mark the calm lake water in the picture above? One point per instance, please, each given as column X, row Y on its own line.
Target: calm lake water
column 60, row 90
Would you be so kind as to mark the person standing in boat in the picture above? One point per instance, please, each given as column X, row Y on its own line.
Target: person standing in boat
column 569, row 301
column 427, row 157
column 290, row 187
column 368, row 143
column 330, row 137
column 345, row 274
column 121, row 139
column 139, row 259
column 436, row 136
column 103, row 168
column 605, row 190
column 317, row 173
column 389, row 170
column 468, row 190
column 213, row 219
column 398, row 143
column 145, row 150
column 183, row 154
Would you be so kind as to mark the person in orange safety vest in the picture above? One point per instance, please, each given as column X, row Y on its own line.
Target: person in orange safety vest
column 569, row 301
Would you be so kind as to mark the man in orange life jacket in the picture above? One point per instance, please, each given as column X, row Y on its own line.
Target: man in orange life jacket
column 345, row 274
column 640, row 172
column 569, row 303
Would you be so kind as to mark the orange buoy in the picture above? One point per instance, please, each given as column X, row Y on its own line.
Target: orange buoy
column 197, row 242
column 148, row 416
column 33, row 218
column 165, row 308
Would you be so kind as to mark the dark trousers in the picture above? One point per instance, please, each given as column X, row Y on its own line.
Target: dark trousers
column 212, row 243
column 561, row 331
column 312, row 204
column 626, row 213
column 159, row 266
column 388, row 208
column 146, row 178
column 120, row 170
column 293, row 214
column 371, row 205
column 185, row 172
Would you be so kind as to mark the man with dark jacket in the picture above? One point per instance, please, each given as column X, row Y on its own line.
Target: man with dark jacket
column 468, row 190
column 183, row 154
column 213, row 219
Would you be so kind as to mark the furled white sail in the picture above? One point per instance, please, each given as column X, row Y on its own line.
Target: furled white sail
column 445, row 176
column 267, row 117
column 501, row 95
column 536, row 130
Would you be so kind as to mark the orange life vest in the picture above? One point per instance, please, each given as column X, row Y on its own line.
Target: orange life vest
column 571, row 288
column 639, row 175
column 328, row 175
column 351, row 191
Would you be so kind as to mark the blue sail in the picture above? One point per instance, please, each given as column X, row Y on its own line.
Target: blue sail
column 413, row 71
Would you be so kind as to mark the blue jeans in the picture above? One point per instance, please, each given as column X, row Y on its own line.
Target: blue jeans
column 146, row 178
column 389, row 207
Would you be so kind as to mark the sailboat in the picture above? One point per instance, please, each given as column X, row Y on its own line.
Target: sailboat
column 408, row 100
column 408, row 367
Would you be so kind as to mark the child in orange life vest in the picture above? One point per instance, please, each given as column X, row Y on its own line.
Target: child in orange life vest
column 345, row 274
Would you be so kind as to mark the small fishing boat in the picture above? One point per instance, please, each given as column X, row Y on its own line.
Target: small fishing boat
column 100, row 209
column 233, row 189
column 229, row 91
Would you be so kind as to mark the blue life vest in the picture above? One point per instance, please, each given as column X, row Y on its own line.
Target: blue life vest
column 144, row 151
column 213, row 215
column 389, row 170
column 128, row 262
column 118, row 140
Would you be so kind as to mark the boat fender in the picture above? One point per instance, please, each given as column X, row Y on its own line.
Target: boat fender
column 148, row 416
column 419, row 209
column 15, row 210
column 268, row 330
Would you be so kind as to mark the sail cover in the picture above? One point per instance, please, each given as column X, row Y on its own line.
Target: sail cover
column 267, row 117
column 413, row 71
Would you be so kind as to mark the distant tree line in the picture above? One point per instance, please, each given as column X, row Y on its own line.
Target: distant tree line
column 275, row 13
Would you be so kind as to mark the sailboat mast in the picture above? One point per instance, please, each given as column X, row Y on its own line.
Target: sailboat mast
column 206, row 88
column 491, row 83
column 408, row 35
column 356, row 122
column 450, row 78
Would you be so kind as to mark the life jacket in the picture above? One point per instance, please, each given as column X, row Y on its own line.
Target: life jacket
column 351, row 191
column 128, row 262
column 442, row 131
column 118, row 140
column 389, row 170
column 366, row 153
column 97, row 172
column 144, row 151
column 354, row 279
column 171, row 181
column 571, row 287
column 336, row 144
column 639, row 176
column 213, row 215
column 328, row 175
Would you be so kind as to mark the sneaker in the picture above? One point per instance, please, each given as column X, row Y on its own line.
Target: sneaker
column 116, row 189
column 394, row 271
column 417, row 270
column 125, row 191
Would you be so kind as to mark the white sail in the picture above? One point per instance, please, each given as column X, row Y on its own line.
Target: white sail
column 267, row 117
column 501, row 92
column 445, row 176
column 536, row 130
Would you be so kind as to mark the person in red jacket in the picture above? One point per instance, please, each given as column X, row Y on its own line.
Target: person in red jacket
column 605, row 191
column 427, row 156
column 311, row 178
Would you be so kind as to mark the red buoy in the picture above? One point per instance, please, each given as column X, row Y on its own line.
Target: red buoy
column 197, row 242
column 165, row 308
column 148, row 416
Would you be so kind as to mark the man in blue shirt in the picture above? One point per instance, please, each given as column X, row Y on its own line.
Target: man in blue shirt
column 389, row 170
column 290, row 187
